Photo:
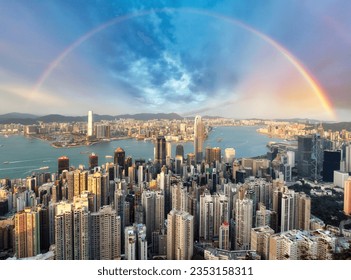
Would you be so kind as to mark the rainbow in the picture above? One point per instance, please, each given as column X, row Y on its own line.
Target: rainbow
column 298, row 65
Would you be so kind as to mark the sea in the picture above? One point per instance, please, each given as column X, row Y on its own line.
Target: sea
column 20, row 156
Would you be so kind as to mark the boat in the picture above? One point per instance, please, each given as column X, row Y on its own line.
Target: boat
column 6, row 136
column 44, row 168
column 108, row 156
column 6, row 162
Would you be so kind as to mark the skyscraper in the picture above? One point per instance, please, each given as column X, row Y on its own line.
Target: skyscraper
column 180, row 235
column 347, row 197
column 63, row 164
column 243, row 223
column 27, row 233
column 119, row 157
column 105, row 234
column 160, row 151
column 199, row 136
column 90, row 124
column 348, row 158
column 93, row 161
column 224, row 236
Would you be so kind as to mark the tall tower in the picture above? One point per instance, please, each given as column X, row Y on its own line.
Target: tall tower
column 180, row 235
column 64, row 231
column 119, row 158
column 160, row 150
column 224, row 236
column 347, row 197
column 93, row 161
column 199, row 135
column 62, row 164
column 348, row 158
column 243, row 223
column 105, row 234
column 27, row 234
column 90, row 124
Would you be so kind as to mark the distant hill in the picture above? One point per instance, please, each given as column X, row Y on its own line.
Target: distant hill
column 337, row 126
column 27, row 119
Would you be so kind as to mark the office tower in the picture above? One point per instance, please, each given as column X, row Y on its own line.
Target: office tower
column 93, row 161
column 160, row 151
column 213, row 155
column 243, row 223
column 63, row 164
column 224, row 236
column 260, row 240
column 305, row 145
column 44, row 227
column 27, row 233
column 105, row 234
column 180, row 150
column 229, row 155
column 302, row 211
column 128, row 163
column 178, row 165
column 347, row 197
column 331, row 163
column 180, row 235
column 90, row 124
column 135, row 242
column 64, row 231
column 119, row 157
column 199, row 137
column 287, row 211
column 291, row 158
column 168, row 149
column 206, row 224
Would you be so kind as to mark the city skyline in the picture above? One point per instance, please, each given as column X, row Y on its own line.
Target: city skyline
column 207, row 58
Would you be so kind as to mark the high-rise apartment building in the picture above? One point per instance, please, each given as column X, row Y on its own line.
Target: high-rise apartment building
column 224, row 236
column 260, row 240
column 135, row 242
column 27, row 233
column 243, row 223
column 105, row 234
column 207, row 211
column 64, row 231
column 199, row 137
column 180, row 235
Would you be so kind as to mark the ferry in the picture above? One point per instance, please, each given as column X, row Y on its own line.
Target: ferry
column 44, row 168
column 108, row 156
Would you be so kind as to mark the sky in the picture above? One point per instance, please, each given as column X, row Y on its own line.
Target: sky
column 237, row 59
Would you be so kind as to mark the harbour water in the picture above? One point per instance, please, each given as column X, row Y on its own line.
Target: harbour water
column 20, row 156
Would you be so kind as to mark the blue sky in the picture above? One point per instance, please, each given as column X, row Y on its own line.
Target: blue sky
column 188, row 57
